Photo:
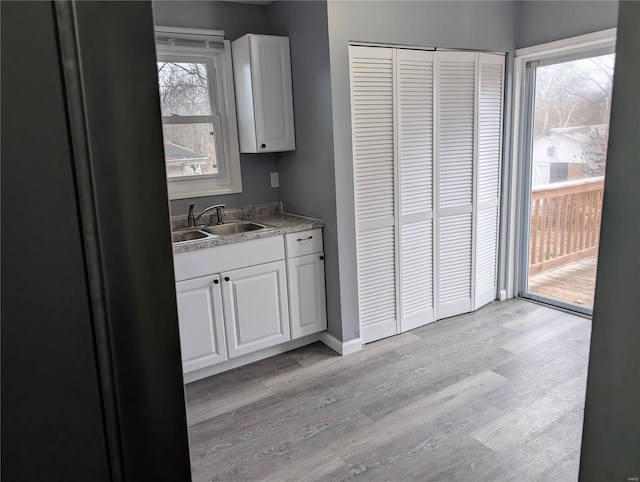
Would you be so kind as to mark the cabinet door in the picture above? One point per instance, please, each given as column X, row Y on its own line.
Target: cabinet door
column 273, row 103
column 256, row 314
column 200, row 319
column 307, row 295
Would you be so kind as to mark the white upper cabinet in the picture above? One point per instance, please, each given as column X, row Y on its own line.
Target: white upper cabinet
column 264, row 101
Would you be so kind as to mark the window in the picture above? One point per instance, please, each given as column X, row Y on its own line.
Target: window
column 198, row 113
column 558, row 172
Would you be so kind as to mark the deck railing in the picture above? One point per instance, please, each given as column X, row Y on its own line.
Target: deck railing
column 565, row 223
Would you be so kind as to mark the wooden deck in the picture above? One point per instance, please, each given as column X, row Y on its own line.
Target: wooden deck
column 574, row 282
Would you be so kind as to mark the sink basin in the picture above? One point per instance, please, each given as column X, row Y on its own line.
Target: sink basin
column 204, row 232
column 231, row 228
column 188, row 235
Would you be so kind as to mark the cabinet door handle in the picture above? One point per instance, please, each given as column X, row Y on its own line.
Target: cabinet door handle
column 226, row 278
column 263, row 145
column 304, row 239
column 215, row 281
column 321, row 257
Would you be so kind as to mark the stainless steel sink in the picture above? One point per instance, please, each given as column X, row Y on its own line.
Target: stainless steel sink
column 204, row 232
column 188, row 235
column 231, row 228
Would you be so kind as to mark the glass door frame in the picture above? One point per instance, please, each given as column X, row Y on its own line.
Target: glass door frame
column 518, row 220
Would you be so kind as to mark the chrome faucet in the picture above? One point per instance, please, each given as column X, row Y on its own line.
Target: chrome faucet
column 191, row 219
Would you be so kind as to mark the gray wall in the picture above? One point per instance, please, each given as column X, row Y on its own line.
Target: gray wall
column 611, row 437
column 235, row 19
column 543, row 21
column 474, row 25
column 307, row 174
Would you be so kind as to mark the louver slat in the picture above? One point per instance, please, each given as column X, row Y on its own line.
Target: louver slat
column 372, row 120
column 414, row 116
column 415, row 131
column 456, row 130
column 415, row 159
column 489, row 160
column 486, row 248
column 454, row 289
column 417, row 268
column 376, row 278
column 489, row 131
column 373, row 140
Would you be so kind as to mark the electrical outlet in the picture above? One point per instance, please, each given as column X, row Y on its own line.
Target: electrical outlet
column 275, row 182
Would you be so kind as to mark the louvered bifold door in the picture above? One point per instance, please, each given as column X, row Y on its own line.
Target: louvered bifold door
column 372, row 117
column 414, row 99
column 455, row 101
column 487, row 192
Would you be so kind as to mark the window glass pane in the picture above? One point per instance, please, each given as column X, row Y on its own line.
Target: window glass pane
column 189, row 150
column 184, row 88
column 571, row 128
column 571, row 120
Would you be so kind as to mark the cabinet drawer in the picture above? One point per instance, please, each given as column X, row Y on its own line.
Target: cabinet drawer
column 304, row 242
column 207, row 261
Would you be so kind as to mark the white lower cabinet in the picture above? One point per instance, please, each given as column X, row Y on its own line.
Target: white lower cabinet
column 200, row 313
column 307, row 295
column 256, row 315
column 241, row 298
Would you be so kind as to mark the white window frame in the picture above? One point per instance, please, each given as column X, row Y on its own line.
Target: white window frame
column 561, row 49
column 228, row 180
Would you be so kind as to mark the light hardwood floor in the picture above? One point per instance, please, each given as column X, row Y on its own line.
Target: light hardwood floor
column 496, row 395
column 574, row 282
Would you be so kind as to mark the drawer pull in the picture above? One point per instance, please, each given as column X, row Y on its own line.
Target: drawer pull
column 304, row 239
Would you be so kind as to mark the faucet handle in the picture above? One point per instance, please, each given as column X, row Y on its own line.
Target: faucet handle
column 219, row 213
column 190, row 216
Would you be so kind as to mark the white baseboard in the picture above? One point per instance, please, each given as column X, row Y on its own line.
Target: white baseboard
column 502, row 295
column 250, row 358
column 343, row 348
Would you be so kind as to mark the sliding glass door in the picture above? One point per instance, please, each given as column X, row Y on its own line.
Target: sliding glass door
column 565, row 155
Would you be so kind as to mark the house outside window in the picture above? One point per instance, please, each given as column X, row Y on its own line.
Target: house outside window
column 551, row 151
column 198, row 113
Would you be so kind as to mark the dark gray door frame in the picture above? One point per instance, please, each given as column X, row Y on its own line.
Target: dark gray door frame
column 109, row 133
column 108, row 53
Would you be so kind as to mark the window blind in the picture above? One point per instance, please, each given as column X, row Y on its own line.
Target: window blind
column 190, row 38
